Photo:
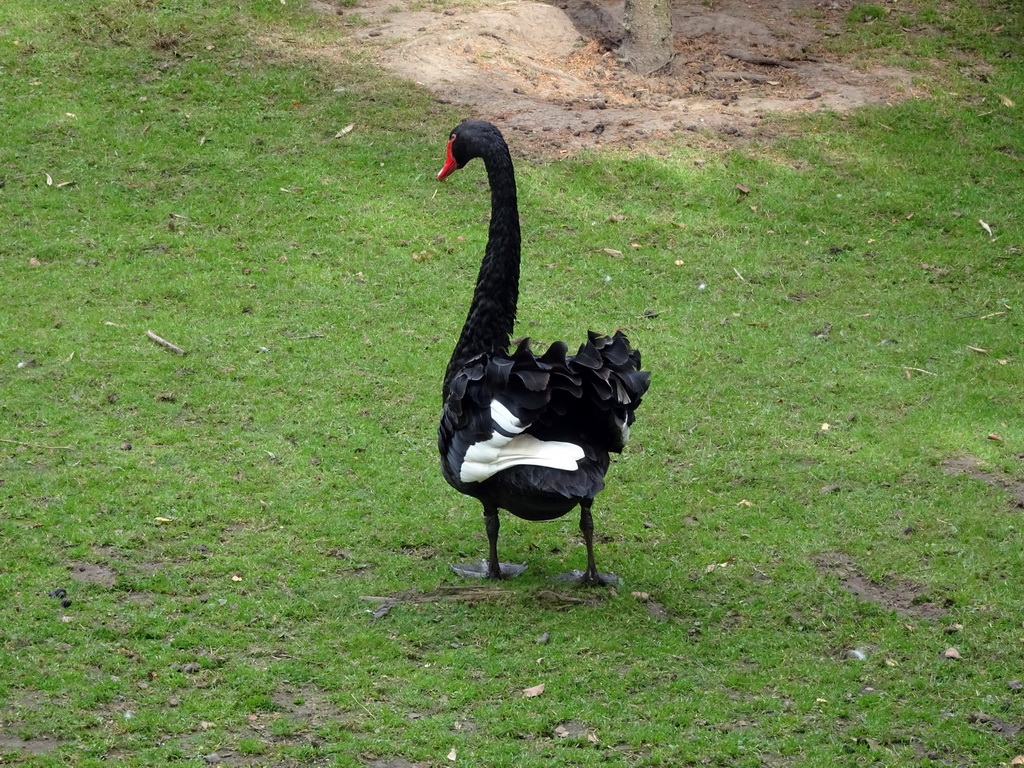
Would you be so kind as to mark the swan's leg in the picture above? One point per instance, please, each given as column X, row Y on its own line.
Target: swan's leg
column 492, row 568
column 590, row 577
column 492, row 524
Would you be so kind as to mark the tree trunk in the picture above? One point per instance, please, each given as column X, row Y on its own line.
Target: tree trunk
column 647, row 46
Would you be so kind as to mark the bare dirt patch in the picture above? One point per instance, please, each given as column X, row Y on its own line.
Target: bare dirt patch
column 37, row 745
column 550, row 72
column 1011, row 731
column 93, row 573
column 904, row 597
column 308, row 704
column 972, row 467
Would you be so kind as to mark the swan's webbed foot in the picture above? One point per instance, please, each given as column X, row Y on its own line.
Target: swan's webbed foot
column 590, row 578
column 491, row 568
column 482, row 570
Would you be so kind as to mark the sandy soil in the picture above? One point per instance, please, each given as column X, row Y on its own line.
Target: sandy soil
column 549, row 72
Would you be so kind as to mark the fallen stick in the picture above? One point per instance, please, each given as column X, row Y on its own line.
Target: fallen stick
column 165, row 343
column 441, row 594
column 37, row 445
column 753, row 58
column 750, row 77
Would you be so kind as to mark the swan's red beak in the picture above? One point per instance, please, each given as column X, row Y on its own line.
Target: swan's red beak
column 450, row 166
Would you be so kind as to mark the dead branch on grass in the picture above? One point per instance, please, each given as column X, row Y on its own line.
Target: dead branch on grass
column 37, row 445
column 166, row 344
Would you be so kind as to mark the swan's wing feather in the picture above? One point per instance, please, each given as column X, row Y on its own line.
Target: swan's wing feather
column 504, row 410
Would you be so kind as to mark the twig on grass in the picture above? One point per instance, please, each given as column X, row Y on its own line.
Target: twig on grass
column 462, row 594
column 361, row 705
column 165, row 343
column 37, row 445
column 468, row 594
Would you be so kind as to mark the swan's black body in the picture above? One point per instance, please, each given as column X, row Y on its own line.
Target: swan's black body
column 525, row 433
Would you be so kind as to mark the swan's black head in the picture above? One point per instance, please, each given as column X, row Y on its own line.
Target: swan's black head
column 469, row 139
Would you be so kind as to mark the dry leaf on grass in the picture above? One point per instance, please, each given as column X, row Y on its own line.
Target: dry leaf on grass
column 715, row 566
column 535, row 690
column 951, row 653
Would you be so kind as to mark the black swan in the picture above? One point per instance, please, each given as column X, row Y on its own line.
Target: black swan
column 525, row 433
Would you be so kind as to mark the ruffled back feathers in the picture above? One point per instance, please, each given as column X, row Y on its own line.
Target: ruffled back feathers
column 587, row 399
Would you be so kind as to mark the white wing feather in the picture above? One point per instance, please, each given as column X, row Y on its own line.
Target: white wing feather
column 500, row 451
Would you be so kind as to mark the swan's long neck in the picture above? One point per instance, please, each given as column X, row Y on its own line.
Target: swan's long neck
column 492, row 313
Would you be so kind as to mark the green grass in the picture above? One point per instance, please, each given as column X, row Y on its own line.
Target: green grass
column 243, row 498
